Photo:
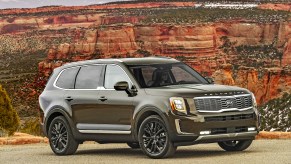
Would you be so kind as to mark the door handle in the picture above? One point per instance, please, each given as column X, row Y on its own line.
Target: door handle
column 102, row 98
column 69, row 98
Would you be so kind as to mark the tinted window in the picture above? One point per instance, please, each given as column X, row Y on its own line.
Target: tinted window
column 147, row 73
column 67, row 78
column 113, row 75
column 182, row 75
column 157, row 75
column 88, row 77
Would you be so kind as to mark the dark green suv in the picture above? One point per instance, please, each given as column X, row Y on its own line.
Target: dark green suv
column 153, row 103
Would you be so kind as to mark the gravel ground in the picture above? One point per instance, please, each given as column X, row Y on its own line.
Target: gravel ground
column 261, row 152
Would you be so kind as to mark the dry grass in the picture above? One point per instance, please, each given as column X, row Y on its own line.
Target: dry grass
column 273, row 135
column 22, row 138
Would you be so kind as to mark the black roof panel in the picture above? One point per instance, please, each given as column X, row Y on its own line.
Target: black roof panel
column 127, row 61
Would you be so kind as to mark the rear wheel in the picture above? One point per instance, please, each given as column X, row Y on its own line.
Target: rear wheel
column 60, row 136
column 133, row 145
column 235, row 145
column 154, row 138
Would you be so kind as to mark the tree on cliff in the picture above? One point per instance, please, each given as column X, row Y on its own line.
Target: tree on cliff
column 276, row 114
column 9, row 120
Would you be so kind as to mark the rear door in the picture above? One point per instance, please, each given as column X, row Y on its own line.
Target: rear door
column 83, row 98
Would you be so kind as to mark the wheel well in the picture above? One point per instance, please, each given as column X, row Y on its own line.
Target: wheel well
column 144, row 116
column 50, row 119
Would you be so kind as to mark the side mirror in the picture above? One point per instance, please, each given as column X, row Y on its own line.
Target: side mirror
column 210, row 80
column 121, row 86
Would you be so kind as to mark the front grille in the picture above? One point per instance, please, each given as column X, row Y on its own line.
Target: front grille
column 230, row 117
column 223, row 103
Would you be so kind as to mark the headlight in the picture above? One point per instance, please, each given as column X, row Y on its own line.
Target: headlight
column 178, row 105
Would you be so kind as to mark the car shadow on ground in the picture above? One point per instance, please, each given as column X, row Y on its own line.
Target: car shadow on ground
column 180, row 153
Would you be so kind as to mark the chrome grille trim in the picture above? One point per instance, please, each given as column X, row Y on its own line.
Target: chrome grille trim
column 218, row 104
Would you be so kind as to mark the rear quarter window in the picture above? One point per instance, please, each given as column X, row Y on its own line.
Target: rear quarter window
column 67, row 78
column 89, row 77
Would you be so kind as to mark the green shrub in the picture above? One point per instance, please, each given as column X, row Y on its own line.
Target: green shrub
column 32, row 126
column 9, row 120
column 276, row 114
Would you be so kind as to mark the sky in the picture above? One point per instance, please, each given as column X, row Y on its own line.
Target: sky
column 4, row 4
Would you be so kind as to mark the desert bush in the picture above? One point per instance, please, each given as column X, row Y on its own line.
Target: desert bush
column 145, row 53
column 9, row 120
column 32, row 126
column 276, row 114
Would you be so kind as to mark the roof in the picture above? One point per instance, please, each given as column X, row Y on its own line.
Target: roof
column 127, row 61
column 148, row 60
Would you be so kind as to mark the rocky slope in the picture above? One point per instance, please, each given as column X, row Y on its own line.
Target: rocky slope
column 251, row 50
column 277, row 6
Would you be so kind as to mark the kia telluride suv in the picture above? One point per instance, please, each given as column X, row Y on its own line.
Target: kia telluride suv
column 154, row 103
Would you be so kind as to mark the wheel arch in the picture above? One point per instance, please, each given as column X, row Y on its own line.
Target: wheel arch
column 55, row 112
column 144, row 113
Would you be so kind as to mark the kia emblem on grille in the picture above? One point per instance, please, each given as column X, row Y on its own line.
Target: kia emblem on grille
column 229, row 103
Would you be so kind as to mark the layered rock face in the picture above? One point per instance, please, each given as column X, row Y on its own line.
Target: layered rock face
column 285, row 7
column 48, row 39
column 272, row 82
column 197, row 45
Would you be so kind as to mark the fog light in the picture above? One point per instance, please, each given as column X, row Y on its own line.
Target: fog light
column 205, row 132
column 251, row 128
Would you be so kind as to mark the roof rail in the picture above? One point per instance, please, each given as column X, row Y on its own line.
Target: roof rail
column 157, row 56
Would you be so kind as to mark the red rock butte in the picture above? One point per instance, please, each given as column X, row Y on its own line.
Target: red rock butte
column 97, row 33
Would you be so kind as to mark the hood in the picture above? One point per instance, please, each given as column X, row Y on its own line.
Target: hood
column 194, row 90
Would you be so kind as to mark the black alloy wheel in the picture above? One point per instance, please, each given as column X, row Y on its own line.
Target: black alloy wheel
column 61, row 138
column 154, row 138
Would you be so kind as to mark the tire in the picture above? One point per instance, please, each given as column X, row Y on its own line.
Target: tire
column 154, row 138
column 133, row 145
column 235, row 145
column 60, row 136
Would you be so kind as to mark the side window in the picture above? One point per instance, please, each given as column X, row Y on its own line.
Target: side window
column 67, row 78
column 113, row 75
column 147, row 73
column 88, row 77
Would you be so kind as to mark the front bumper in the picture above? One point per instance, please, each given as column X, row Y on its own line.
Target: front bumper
column 233, row 126
column 228, row 136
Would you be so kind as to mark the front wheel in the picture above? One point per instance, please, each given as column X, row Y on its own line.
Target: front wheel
column 154, row 138
column 235, row 145
column 60, row 136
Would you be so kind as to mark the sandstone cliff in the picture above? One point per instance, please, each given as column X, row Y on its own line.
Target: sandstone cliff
column 240, row 50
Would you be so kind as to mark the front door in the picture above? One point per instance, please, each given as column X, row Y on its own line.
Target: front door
column 116, row 106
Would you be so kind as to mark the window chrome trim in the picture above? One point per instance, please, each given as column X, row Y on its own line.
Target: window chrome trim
column 99, row 88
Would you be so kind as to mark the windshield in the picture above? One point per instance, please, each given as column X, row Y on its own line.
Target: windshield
column 157, row 75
